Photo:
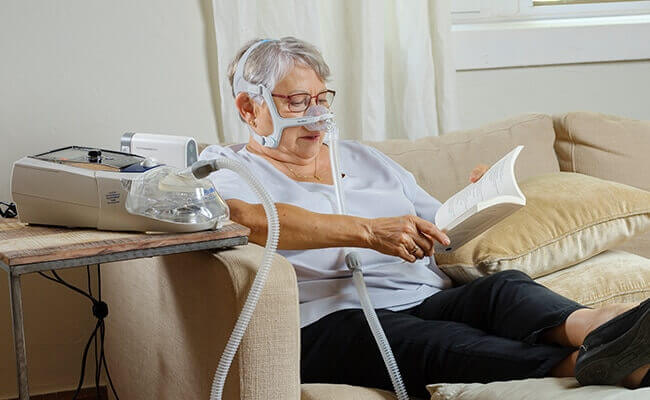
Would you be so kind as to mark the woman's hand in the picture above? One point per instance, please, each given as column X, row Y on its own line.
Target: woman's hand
column 409, row 237
column 478, row 172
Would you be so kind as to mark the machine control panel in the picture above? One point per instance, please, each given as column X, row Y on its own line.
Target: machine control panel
column 97, row 159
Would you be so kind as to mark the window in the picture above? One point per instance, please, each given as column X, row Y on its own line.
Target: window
column 509, row 33
column 556, row 2
column 502, row 10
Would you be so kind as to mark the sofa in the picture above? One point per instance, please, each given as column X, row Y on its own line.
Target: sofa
column 170, row 316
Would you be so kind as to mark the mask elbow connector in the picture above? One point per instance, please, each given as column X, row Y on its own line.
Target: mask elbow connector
column 201, row 169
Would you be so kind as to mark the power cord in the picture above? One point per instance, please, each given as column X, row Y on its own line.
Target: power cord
column 9, row 211
column 100, row 311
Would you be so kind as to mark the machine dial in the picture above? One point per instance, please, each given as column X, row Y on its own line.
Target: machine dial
column 94, row 156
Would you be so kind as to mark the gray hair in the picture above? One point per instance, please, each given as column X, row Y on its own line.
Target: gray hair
column 271, row 61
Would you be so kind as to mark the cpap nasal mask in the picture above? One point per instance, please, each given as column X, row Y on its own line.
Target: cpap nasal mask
column 316, row 118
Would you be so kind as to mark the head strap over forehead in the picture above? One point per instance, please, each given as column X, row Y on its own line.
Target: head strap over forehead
column 239, row 83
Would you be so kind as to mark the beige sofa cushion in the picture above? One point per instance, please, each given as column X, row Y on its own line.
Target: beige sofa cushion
column 568, row 218
column 322, row 391
column 538, row 389
column 640, row 244
column 442, row 164
column 604, row 146
column 609, row 277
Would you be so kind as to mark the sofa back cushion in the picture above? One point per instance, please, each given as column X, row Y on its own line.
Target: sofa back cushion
column 604, row 146
column 442, row 164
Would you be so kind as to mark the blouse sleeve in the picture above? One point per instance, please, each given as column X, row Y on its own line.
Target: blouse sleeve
column 425, row 205
column 228, row 183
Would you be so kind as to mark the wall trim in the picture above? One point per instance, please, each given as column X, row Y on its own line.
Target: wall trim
column 551, row 42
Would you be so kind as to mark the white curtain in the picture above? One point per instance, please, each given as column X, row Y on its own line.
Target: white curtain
column 391, row 61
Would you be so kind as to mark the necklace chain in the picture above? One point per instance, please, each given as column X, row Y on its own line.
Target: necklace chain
column 300, row 176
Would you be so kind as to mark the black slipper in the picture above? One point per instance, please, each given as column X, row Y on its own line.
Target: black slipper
column 616, row 348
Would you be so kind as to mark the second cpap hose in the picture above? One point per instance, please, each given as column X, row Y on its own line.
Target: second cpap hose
column 353, row 261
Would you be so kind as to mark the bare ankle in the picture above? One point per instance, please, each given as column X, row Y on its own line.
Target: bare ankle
column 633, row 380
column 566, row 367
column 599, row 316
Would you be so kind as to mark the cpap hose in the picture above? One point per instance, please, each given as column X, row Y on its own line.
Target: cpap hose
column 353, row 261
column 202, row 169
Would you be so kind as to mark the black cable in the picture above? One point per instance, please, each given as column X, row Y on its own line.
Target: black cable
column 103, row 358
column 100, row 311
column 99, row 281
column 97, row 365
column 83, row 360
column 98, row 360
column 66, row 284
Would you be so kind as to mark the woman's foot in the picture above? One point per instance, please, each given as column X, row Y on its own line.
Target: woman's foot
column 617, row 350
column 604, row 314
column 582, row 322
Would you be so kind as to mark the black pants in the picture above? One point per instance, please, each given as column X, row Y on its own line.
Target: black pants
column 483, row 331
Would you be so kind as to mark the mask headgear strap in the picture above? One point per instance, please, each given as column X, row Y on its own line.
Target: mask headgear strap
column 239, row 83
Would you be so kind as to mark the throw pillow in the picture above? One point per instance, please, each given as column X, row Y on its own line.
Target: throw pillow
column 568, row 218
column 609, row 277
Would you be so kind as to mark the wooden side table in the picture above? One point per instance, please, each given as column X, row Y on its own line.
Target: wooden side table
column 26, row 249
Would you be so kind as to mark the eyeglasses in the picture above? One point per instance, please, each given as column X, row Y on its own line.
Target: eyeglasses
column 299, row 102
column 9, row 210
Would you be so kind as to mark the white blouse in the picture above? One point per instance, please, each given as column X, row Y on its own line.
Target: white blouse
column 374, row 186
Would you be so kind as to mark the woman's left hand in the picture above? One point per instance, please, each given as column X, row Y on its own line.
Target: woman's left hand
column 478, row 172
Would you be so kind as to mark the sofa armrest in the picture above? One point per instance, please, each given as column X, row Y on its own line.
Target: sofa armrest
column 170, row 318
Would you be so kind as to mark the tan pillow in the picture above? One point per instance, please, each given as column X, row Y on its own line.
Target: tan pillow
column 568, row 218
column 442, row 164
column 326, row 391
column 609, row 277
column 537, row 389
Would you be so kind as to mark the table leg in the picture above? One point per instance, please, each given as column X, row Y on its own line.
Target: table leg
column 15, row 297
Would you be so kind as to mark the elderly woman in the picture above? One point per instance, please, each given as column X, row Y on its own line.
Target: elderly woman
column 500, row 327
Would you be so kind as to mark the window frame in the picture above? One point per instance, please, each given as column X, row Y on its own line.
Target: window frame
column 527, row 9
column 505, row 33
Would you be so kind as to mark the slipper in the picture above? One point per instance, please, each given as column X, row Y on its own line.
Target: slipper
column 616, row 348
column 616, row 326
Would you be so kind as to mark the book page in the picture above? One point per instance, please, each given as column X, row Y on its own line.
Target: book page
column 499, row 180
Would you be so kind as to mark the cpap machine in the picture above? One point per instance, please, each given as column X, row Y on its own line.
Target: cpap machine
column 95, row 188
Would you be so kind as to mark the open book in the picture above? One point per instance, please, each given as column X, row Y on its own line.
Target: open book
column 482, row 204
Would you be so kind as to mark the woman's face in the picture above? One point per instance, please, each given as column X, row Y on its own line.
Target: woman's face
column 296, row 142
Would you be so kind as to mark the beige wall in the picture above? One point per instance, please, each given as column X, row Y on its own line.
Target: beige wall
column 621, row 88
column 85, row 71
column 58, row 323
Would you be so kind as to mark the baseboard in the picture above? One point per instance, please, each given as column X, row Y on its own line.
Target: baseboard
column 84, row 394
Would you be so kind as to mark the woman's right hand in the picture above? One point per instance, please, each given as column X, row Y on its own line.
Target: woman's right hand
column 409, row 237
